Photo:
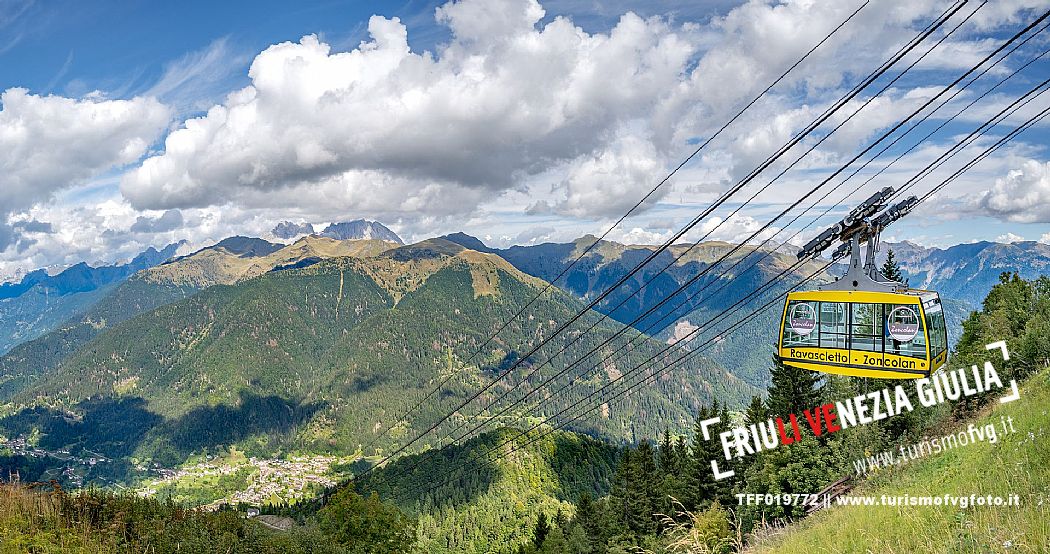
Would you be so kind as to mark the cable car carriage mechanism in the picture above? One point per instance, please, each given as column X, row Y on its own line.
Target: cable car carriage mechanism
column 863, row 324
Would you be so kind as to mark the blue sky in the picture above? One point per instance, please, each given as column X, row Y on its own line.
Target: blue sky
column 512, row 120
column 124, row 47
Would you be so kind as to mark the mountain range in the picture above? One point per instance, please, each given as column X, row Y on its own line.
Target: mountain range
column 358, row 229
column 607, row 262
column 966, row 272
column 40, row 301
column 321, row 357
column 318, row 345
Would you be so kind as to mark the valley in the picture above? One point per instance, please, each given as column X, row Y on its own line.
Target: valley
column 235, row 479
column 255, row 374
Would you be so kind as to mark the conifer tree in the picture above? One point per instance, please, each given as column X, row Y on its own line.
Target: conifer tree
column 700, row 481
column 892, row 270
column 756, row 410
column 671, row 479
column 724, row 487
column 555, row 542
column 668, row 455
column 647, row 492
column 793, row 390
column 578, row 542
column 543, row 528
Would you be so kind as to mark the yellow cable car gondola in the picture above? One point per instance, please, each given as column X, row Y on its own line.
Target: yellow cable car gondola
column 863, row 324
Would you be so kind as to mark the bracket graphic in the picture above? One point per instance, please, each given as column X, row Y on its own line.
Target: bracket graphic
column 704, row 425
column 1016, row 394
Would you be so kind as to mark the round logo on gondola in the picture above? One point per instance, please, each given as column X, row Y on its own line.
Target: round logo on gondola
column 903, row 324
column 803, row 319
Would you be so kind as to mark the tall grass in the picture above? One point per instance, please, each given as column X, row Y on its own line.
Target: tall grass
column 49, row 520
column 1018, row 463
column 34, row 521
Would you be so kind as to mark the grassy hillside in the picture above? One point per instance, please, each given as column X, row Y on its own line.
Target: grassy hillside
column 225, row 264
column 95, row 522
column 1019, row 463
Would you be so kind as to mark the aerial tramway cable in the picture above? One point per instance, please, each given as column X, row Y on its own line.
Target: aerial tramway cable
column 629, row 212
column 535, row 368
column 922, row 174
column 866, row 82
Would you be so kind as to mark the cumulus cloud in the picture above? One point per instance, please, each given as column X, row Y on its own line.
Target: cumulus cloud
column 1022, row 195
column 168, row 221
column 49, row 143
column 511, row 97
column 736, row 228
column 100, row 232
column 609, row 183
column 518, row 109
column 505, row 99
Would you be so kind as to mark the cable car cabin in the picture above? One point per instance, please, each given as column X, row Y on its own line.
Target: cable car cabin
column 863, row 324
column 896, row 335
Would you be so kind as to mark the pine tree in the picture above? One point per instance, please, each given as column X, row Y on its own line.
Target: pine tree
column 756, row 410
column 682, row 453
column 793, row 390
column 578, row 542
column 891, row 270
column 560, row 519
column 700, row 482
column 647, row 489
column 668, row 455
column 724, row 487
column 588, row 517
column 671, row 483
column 555, row 542
column 543, row 528
column 623, row 498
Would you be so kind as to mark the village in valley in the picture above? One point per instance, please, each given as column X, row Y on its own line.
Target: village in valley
column 235, row 479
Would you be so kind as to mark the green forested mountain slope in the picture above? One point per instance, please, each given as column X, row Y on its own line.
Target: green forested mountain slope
column 27, row 361
column 493, row 508
column 40, row 302
column 321, row 358
column 746, row 353
column 227, row 262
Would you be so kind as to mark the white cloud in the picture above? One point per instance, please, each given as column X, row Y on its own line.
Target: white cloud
column 109, row 230
column 196, row 80
column 506, row 103
column 1023, row 195
column 49, row 143
column 638, row 235
column 735, row 229
column 1009, row 238
column 409, row 131
column 608, row 184
column 516, row 109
